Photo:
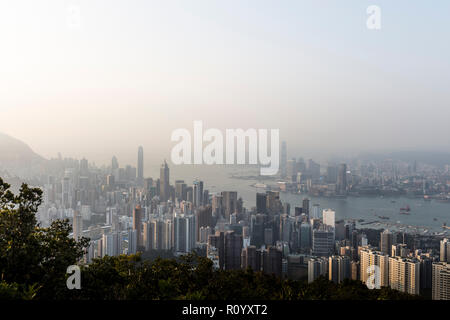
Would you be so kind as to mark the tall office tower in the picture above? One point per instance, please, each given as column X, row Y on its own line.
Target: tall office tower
column 274, row 205
column 386, row 242
column 158, row 227
column 164, row 181
column 110, row 181
column 272, row 261
column 268, row 236
column 77, row 225
column 184, row 233
column 132, row 242
column 291, row 170
column 329, row 218
column 140, row 166
column 317, row 267
column 314, row 170
column 404, row 275
column 380, row 260
column 261, row 203
column 114, row 163
column 204, row 233
column 316, row 211
column 206, row 200
column 342, row 179
column 168, row 235
column 355, row 270
column 441, row 281
column 233, row 247
column 339, row 268
column 216, row 243
column 197, row 190
column 66, row 192
column 148, row 235
column 426, row 269
column 339, row 230
column 305, row 236
column 283, row 159
column 251, row 258
column 180, row 190
column 399, row 250
column 130, row 173
column 323, row 242
column 137, row 226
column 332, row 174
column 84, row 168
column 229, row 202
column 217, row 205
column 203, row 219
column 112, row 244
column 445, row 250
column 305, row 207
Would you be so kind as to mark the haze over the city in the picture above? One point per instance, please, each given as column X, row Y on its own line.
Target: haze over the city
column 130, row 73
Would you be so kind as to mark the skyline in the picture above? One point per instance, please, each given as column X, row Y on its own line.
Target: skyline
column 121, row 81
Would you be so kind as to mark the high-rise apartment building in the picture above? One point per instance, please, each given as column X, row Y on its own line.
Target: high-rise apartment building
column 339, row 268
column 317, row 266
column 251, row 258
column 342, row 179
column 229, row 202
column 445, row 250
column 137, row 225
column 404, row 275
column 164, row 182
column 441, row 281
column 140, row 166
column 374, row 265
column 386, row 242
column 323, row 242
column 329, row 217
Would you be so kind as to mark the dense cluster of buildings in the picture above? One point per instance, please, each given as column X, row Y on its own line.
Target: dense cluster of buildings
column 124, row 212
column 388, row 177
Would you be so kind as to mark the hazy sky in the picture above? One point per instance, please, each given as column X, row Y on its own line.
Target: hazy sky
column 136, row 70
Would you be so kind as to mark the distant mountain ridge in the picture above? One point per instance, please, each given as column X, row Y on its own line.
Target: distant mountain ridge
column 17, row 157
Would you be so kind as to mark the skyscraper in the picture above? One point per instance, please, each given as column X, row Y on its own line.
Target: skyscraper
column 386, row 241
column 77, row 225
column 404, row 275
column 164, row 181
column 261, row 203
column 380, row 261
column 441, row 281
column 114, row 163
column 251, row 258
column 317, row 267
column 323, row 242
column 305, row 207
column 272, row 261
column 137, row 226
column 140, row 166
column 329, row 217
column 342, row 179
column 339, row 268
column 233, row 247
column 197, row 190
column 229, row 202
column 445, row 250
column 283, row 158
column 184, row 233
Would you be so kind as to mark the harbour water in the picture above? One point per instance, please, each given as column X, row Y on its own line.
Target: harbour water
column 424, row 215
